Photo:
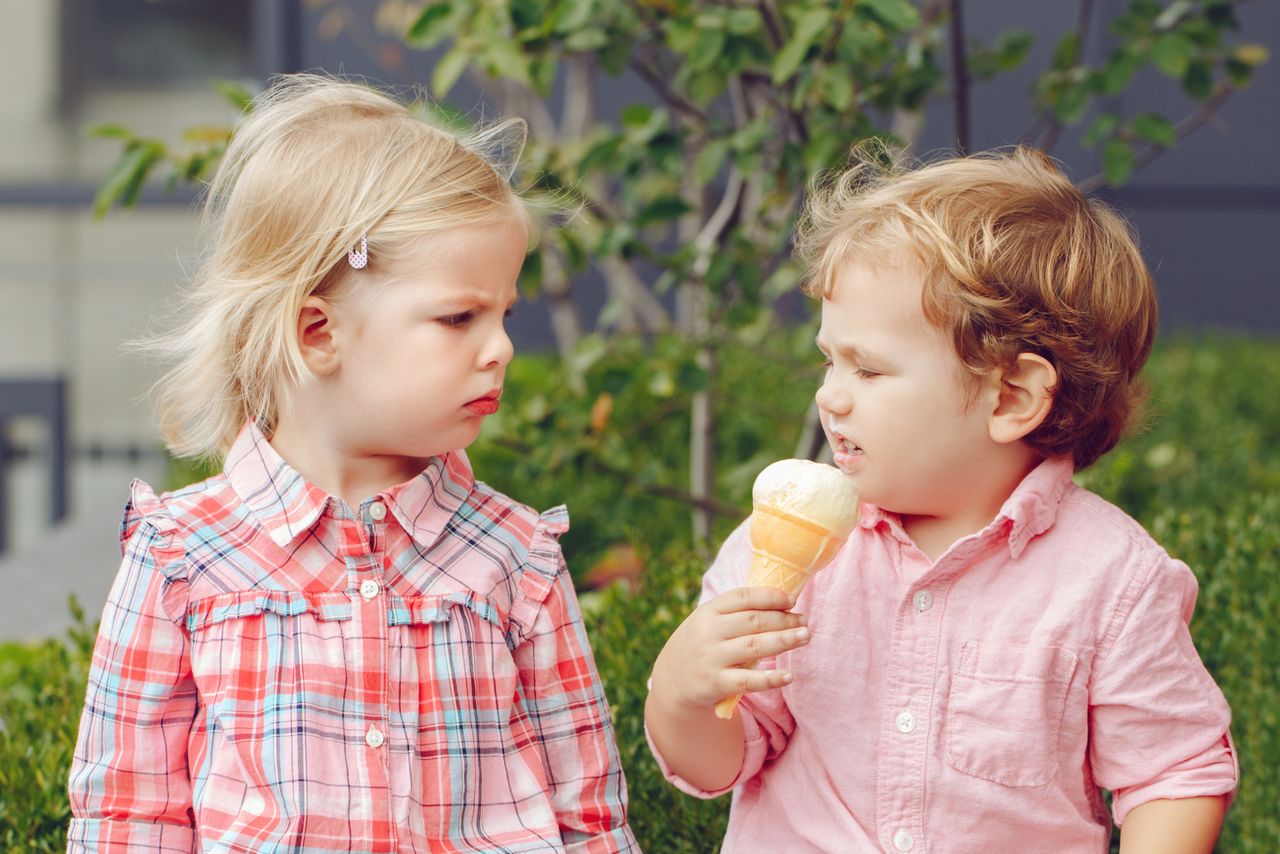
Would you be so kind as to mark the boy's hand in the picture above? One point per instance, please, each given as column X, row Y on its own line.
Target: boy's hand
column 709, row 657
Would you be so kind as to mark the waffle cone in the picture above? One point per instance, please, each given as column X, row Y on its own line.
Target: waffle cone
column 786, row 551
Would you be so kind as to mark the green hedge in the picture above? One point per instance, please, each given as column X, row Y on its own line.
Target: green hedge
column 1204, row 478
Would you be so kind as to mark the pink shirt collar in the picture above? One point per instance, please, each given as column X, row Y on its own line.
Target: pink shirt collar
column 287, row 505
column 1027, row 513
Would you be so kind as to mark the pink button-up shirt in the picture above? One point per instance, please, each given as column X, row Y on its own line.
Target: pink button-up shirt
column 982, row 701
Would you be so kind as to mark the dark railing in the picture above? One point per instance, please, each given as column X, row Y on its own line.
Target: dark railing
column 45, row 399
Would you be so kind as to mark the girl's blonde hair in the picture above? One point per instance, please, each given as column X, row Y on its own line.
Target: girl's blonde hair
column 316, row 163
column 1015, row 259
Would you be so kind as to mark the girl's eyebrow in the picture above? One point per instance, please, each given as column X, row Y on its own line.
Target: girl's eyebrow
column 463, row 301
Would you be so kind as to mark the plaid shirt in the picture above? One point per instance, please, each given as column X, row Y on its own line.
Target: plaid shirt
column 277, row 672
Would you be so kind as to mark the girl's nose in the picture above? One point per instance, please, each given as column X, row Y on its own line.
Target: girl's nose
column 498, row 350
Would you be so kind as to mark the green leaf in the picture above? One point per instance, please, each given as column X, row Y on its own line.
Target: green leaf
column 124, row 180
column 600, row 154
column 1117, row 161
column 431, row 25
column 710, row 160
column 661, row 209
column 707, row 50
column 1118, row 72
column 1103, row 126
column 808, row 27
column 1172, row 14
column 837, row 81
column 636, row 115
column 1172, row 54
column 109, row 131
column 586, row 40
column 1064, row 55
column 897, row 15
column 1071, row 103
column 1155, row 128
column 1251, row 54
column 444, row 116
column 1198, row 81
column 448, row 70
column 744, row 22
column 574, row 15
column 236, row 93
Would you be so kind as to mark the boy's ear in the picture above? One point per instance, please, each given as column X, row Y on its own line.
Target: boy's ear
column 1025, row 398
column 316, row 337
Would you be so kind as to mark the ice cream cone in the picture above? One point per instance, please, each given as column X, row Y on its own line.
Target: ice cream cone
column 803, row 514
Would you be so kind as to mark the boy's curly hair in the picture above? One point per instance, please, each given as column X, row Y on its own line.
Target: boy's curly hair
column 1016, row 259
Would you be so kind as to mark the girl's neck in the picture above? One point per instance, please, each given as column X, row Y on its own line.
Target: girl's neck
column 337, row 469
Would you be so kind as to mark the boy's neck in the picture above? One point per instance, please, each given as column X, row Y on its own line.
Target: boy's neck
column 934, row 534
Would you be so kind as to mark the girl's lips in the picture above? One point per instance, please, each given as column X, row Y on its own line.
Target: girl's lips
column 486, row 405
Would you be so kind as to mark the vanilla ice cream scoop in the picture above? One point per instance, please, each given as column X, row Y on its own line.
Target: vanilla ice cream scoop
column 802, row 513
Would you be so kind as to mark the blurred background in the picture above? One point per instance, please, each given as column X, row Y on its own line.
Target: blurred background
column 664, row 354
column 73, row 288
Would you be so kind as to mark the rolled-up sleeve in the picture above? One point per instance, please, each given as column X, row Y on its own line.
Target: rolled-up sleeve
column 1159, row 723
column 766, row 722
column 129, row 785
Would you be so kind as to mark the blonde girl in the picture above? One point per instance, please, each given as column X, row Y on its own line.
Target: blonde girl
column 343, row 641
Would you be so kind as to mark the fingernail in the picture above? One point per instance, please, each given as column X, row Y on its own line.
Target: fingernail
column 786, row 677
column 802, row 634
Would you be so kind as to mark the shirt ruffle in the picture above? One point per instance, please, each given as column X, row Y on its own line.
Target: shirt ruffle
column 149, row 525
column 543, row 564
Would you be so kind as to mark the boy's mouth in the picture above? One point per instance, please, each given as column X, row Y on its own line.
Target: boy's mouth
column 845, row 451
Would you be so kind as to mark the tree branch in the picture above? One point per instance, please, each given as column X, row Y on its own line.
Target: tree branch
column 960, row 71
column 1181, row 131
column 1084, row 23
column 673, row 98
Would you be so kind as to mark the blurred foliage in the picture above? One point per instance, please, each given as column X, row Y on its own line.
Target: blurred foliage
column 41, row 695
column 685, row 198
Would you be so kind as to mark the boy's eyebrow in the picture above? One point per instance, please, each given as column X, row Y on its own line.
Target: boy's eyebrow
column 844, row 349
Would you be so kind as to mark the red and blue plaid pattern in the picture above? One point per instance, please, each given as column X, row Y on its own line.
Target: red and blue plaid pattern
column 278, row 671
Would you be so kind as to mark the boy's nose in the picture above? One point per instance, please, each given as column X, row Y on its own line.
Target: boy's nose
column 832, row 398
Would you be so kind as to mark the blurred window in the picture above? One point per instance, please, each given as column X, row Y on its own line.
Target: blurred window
column 131, row 44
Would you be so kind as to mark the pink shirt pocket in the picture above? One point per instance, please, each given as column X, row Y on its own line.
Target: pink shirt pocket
column 1004, row 713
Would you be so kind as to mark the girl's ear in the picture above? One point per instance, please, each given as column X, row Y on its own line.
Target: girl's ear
column 316, row 337
column 1025, row 398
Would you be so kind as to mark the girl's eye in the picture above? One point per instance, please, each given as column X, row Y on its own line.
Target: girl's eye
column 509, row 313
column 867, row 375
column 825, row 362
column 455, row 320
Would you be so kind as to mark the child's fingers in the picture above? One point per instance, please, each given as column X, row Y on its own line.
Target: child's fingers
column 744, row 681
column 741, row 623
column 753, row 599
column 753, row 647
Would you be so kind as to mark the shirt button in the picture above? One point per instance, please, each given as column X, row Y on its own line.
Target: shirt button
column 923, row 600
column 373, row 738
column 906, row 722
column 377, row 511
column 903, row 840
column 368, row 588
